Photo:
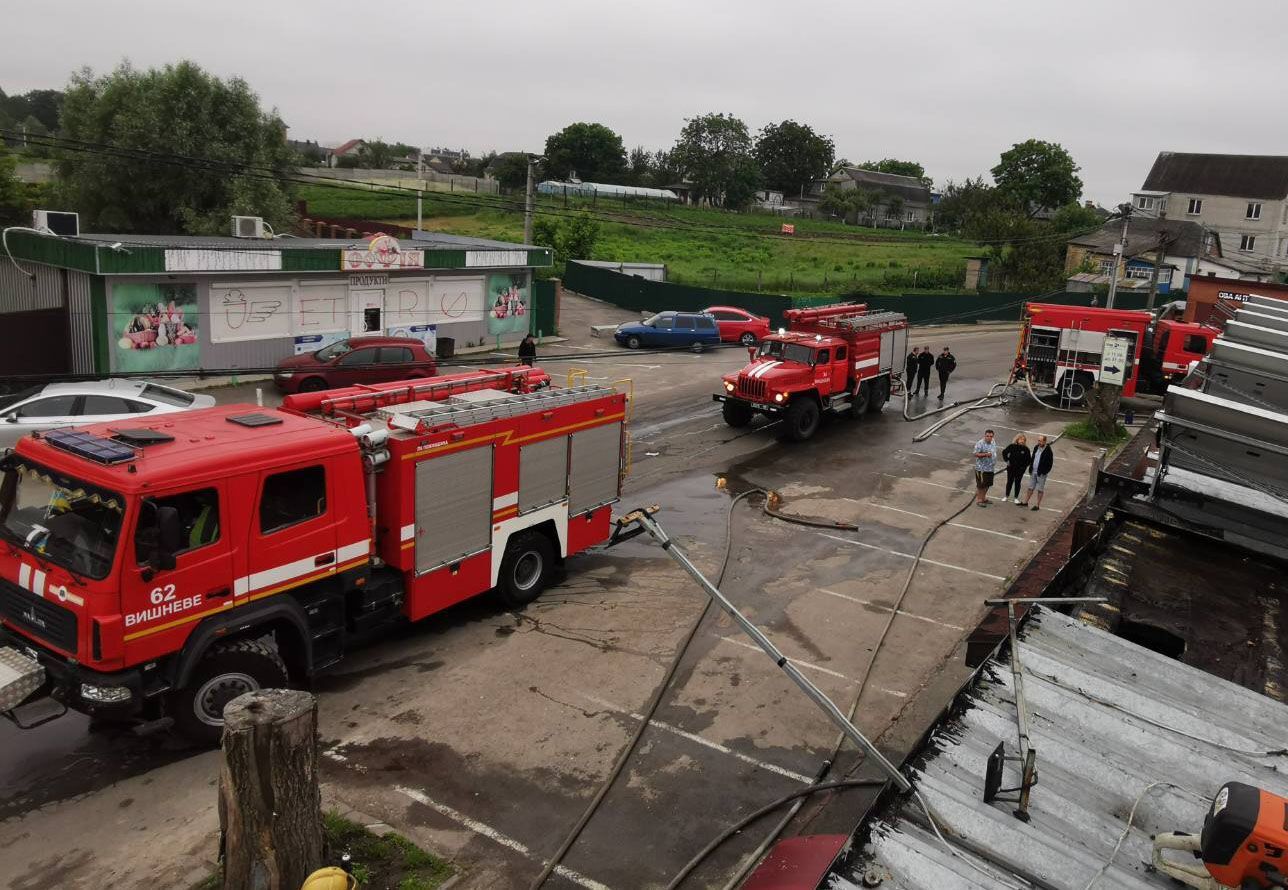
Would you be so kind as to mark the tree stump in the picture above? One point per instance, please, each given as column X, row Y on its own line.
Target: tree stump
column 270, row 807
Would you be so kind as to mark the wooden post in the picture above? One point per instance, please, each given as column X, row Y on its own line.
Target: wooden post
column 270, row 808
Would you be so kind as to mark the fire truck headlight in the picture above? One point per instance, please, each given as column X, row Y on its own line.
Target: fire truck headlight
column 728, row 386
column 778, row 396
column 105, row 695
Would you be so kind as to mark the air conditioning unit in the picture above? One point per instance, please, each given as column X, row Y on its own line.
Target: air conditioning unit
column 248, row 227
column 56, row 221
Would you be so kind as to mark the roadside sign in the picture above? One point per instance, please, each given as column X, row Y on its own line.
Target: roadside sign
column 1113, row 360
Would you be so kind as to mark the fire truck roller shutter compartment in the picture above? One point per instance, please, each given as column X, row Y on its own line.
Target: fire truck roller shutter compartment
column 453, row 507
column 596, row 468
column 543, row 473
column 894, row 346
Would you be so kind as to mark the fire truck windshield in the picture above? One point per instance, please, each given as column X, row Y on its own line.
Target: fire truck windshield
column 787, row 352
column 59, row 518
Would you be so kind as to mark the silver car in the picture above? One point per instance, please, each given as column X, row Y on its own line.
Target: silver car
column 75, row 404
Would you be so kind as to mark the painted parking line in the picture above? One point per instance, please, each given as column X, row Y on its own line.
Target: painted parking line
column 901, row 554
column 891, row 509
column 989, row 531
column 487, row 831
column 953, row 488
column 884, row 608
column 699, row 740
column 812, row 667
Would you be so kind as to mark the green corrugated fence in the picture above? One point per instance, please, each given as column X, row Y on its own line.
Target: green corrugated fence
column 544, row 320
column 639, row 294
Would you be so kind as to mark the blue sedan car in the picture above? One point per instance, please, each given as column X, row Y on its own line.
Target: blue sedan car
column 692, row 329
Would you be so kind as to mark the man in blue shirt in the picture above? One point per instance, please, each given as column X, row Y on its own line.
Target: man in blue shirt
column 985, row 464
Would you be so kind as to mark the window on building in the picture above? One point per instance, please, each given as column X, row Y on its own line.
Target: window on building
column 198, row 522
column 1247, row 242
column 1144, row 203
column 909, row 215
column 1254, row 210
column 1142, row 272
column 292, row 497
column 1196, row 206
column 1106, row 267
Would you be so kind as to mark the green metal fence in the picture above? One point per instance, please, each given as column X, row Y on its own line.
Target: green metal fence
column 639, row 294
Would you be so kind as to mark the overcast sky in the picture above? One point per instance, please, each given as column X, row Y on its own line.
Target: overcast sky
column 948, row 83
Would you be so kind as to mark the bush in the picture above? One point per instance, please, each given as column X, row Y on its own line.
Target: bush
column 925, row 278
column 1086, row 431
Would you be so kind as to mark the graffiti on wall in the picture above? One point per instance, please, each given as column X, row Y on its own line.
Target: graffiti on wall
column 508, row 302
column 155, row 327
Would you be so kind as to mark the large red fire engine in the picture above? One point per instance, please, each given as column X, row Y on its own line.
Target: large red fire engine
column 165, row 567
column 832, row 358
column 1060, row 347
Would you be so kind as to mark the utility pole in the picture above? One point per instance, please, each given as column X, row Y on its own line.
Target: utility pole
column 527, row 204
column 1120, row 252
column 420, row 177
column 1163, row 243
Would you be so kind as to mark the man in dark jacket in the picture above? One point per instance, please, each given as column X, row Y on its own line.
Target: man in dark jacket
column 1039, row 466
column 528, row 351
column 910, row 370
column 925, row 361
column 945, row 365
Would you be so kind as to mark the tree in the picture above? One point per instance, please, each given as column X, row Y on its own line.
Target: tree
column 894, row 208
column 714, row 152
column 641, row 166
column 1037, row 175
column 13, row 194
column 510, row 169
column 376, row 155
column 572, row 238
column 593, row 151
column 792, row 156
column 899, row 168
column 178, row 110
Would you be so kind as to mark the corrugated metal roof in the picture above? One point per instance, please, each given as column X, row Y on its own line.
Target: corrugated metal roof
column 1092, row 696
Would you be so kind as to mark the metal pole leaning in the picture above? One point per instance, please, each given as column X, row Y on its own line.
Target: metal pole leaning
column 643, row 519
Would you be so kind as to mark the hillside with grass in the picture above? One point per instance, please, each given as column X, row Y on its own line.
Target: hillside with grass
column 702, row 246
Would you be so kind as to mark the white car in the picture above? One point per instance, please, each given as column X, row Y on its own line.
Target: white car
column 75, row 404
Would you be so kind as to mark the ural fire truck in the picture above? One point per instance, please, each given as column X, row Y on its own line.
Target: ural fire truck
column 1060, row 347
column 831, row 358
column 155, row 570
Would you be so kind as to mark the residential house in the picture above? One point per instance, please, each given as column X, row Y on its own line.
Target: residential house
column 1188, row 251
column 1243, row 198
column 901, row 201
column 344, row 150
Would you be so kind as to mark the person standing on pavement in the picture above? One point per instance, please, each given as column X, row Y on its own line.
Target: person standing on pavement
column 528, row 351
column 910, row 370
column 985, row 465
column 1018, row 460
column 1039, row 466
column 945, row 365
column 925, row 361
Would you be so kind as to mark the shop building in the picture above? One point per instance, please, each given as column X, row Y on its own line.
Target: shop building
column 120, row 304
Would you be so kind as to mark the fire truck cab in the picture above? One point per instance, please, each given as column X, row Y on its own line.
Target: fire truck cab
column 1171, row 348
column 834, row 358
column 158, row 569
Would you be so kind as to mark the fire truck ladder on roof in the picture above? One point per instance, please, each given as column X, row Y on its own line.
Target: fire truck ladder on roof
column 483, row 410
column 869, row 321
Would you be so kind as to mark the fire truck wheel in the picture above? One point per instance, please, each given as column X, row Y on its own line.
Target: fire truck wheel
column 801, row 419
column 737, row 414
column 862, row 403
column 313, row 384
column 632, row 342
column 880, row 395
column 227, row 671
column 525, row 568
column 748, row 339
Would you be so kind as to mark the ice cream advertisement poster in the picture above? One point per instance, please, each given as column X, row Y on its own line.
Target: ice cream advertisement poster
column 508, row 304
column 154, row 327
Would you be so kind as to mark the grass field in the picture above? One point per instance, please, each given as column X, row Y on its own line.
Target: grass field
column 739, row 251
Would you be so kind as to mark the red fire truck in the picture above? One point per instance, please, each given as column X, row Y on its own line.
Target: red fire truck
column 155, row 570
column 832, row 358
column 1060, row 347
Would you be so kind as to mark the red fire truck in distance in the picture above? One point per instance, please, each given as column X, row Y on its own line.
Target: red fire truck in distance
column 832, row 358
column 1060, row 348
column 159, row 569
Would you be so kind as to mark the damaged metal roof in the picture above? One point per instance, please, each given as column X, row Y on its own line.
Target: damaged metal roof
column 1109, row 719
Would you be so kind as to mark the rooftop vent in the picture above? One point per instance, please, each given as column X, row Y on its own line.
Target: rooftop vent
column 254, row 420
column 142, row 436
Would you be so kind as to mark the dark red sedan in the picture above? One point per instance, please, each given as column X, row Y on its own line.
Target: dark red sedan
column 355, row 360
column 738, row 325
